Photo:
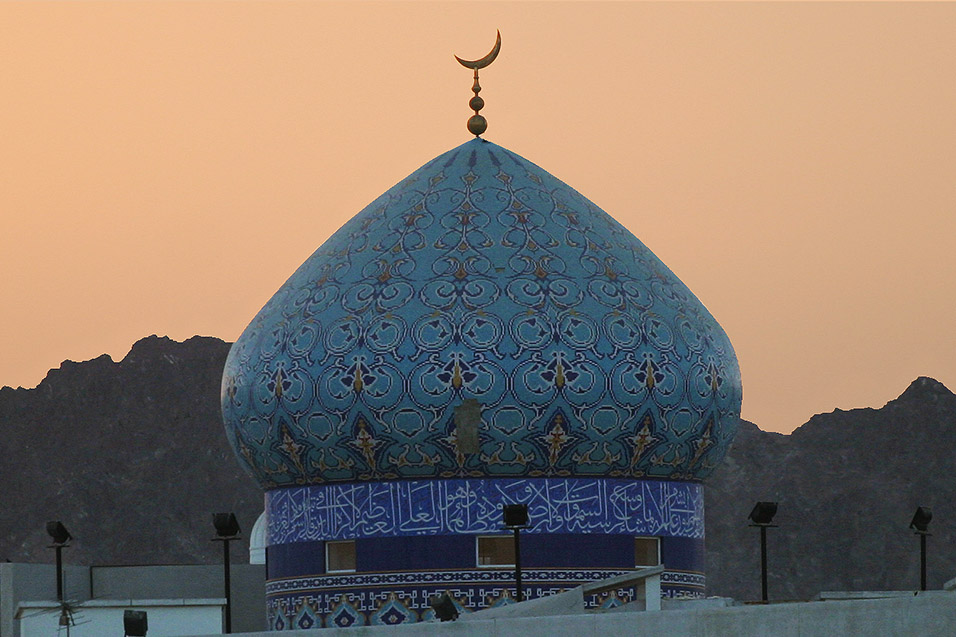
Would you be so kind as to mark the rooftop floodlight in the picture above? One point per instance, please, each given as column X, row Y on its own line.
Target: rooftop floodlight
column 515, row 515
column 226, row 525
column 921, row 519
column 58, row 532
column 516, row 518
column 920, row 526
column 134, row 623
column 761, row 516
column 444, row 607
column 763, row 512
column 227, row 530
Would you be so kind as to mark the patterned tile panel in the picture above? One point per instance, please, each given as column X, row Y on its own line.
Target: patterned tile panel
column 393, row 598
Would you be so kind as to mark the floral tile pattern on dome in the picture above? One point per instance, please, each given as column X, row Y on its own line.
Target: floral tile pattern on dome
column 481, row 277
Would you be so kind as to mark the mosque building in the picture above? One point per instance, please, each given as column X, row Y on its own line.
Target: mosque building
column 479, row 335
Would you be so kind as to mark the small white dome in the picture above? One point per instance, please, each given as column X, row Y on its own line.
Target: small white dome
column 257, row 541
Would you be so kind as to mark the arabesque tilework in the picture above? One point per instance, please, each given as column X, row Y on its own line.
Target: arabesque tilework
column 481, row 277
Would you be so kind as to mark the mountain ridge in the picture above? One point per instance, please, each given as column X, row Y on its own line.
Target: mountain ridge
column 132, row 456
column 847, row 483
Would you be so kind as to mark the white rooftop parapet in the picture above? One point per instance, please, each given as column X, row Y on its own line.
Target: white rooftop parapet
column 646, row 582
column 925, row 614
column 837, row 596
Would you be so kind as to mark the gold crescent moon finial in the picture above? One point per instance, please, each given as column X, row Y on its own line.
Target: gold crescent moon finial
column 476, row 123
column 485, row 61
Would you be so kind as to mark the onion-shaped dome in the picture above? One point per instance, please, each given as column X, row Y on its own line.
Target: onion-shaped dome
column 481, row 318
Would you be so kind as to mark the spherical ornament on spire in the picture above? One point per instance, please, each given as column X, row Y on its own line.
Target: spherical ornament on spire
column 477, row 125
column 476, row 103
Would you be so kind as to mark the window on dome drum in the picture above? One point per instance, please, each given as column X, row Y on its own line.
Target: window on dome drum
column 647, row 551
column 496, row 550
column 340, row 556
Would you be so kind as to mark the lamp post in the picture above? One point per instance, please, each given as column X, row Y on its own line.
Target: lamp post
column 761, row 516
column 516, row 518
column 227, row 530
column 61, row 538
column 920, row 525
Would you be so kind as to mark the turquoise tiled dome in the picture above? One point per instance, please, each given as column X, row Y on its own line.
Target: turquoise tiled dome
column 481, row 277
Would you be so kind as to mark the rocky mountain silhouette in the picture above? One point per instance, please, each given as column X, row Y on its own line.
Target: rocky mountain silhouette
column 847, row 484
column 133, row 458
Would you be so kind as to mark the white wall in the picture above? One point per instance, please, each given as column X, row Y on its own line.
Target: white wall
column 99, row 618
column 22, row 583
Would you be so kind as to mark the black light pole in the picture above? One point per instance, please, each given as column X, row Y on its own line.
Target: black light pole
column 61, row 538
column 762, row 516
column 922, row 561
column 227, row 530
column 516, row 518
column 920, row 524
column 519, row 589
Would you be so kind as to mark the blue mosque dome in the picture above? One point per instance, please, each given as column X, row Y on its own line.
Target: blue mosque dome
column 481, row 281
column 479, row 335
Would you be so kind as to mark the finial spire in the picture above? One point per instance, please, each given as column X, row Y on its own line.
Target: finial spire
column 476, row 123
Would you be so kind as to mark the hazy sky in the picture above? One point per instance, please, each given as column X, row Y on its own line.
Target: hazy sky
column 164, row 167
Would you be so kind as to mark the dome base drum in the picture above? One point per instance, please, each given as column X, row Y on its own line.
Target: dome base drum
column 417, row 539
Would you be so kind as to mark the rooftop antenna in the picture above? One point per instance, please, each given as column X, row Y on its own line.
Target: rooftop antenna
column 476, row 123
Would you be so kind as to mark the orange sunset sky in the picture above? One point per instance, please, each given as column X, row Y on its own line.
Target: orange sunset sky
column 164, row 167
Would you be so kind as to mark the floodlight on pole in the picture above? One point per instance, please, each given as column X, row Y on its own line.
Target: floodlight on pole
column 227, row 530
column 920, row 526
column 763, row 512
column 58, row 532
column 515, row 517
column 61, row 538
column 761, row 516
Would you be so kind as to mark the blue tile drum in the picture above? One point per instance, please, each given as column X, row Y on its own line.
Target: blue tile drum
column 480, row 334
column 481, row 277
